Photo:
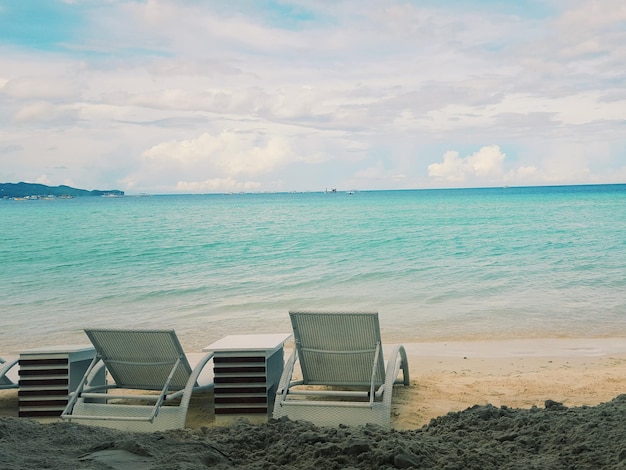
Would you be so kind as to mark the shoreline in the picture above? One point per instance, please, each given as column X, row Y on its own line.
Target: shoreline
column 521, row 347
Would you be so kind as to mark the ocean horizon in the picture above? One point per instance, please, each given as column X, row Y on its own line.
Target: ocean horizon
column 437, row 264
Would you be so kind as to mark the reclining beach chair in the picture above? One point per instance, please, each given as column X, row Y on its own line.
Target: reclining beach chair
column 149, row 369
column 6, row 369
column 343, row 376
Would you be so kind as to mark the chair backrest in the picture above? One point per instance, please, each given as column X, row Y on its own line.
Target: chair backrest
column 141, row 359
column 338, row 348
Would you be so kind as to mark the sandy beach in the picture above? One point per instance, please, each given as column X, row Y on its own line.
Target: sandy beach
column 527, row 396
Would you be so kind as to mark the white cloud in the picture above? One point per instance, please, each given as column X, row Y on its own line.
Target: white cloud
column 216, row 185
column 487, row 162
column 564, row 163
column 522, row 175
column 557, row 163
column 452, row 168
column 36, row 111
column 373, row 172
column 43, row 179
column 486, row 165
column 590, row 15
column 43, row 111
column 39, row 88
column 230, row 153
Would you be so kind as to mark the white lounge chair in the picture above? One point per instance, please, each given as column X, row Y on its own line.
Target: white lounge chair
column 335, row 352
column 138, row 361
column 6, row 371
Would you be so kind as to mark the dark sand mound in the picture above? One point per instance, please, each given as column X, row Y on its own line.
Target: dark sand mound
column 481, row 437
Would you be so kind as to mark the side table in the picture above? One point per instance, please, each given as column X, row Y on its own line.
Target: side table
column 247, row 371
column 47, row 377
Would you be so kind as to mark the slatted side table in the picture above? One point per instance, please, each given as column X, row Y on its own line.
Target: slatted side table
column 247, row 370
column 48, row 375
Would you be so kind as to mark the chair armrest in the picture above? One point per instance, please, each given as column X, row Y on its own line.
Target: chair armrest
column 285, row 378
column 192, row 384
column 397, row 360
column 5, row 367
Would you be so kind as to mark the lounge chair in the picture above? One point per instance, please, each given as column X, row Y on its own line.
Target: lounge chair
column 138, row 361
column 343, row 376
column 6, row 370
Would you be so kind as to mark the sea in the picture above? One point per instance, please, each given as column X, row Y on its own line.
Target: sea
column 438, row 265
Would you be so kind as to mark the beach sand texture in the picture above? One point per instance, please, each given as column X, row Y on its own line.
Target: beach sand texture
column 504, row 404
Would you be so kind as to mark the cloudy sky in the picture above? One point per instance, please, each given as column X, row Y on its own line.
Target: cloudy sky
column 203, row 96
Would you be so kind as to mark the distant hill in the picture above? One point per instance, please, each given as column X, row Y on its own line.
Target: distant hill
column 21, row 189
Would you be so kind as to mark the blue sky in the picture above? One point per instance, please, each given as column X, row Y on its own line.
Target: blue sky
column 172, row 96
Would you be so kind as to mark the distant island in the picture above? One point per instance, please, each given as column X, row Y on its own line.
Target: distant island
column 41, row 191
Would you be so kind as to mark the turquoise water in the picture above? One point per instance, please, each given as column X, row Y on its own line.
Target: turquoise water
column 436, row 264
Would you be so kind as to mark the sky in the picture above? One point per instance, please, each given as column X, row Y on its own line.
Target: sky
column 208, row 96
